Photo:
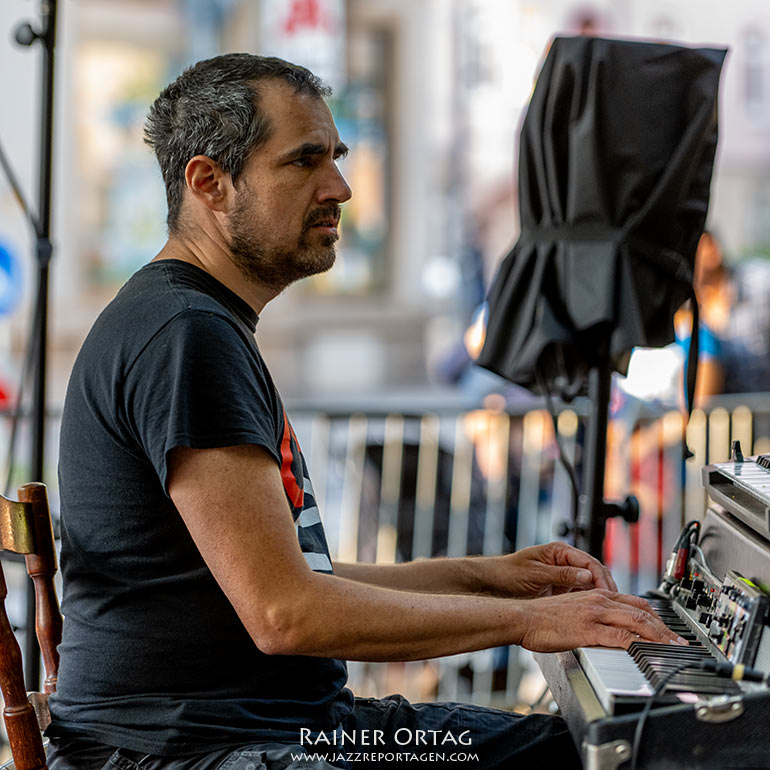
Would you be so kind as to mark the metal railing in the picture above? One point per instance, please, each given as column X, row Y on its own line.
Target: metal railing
column 394, row 486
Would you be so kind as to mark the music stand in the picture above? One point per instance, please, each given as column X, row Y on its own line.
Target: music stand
column 615, row 159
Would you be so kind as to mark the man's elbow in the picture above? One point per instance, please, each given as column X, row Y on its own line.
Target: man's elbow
column 279, row 642
column 286, row 630
column 275, row 645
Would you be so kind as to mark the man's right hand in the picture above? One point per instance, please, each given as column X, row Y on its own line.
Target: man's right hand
column 592, row 618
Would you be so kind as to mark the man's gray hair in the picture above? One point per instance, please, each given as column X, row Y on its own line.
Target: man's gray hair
column 213, row 109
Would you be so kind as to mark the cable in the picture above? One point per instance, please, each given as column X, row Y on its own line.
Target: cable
column 16, row 187
column 699, row 551
column 566, row 464
column 678, row 561
column 737, row 673
column 689, row 529
column 648, row 707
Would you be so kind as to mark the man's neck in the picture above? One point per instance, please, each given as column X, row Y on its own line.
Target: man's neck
column 216, row 261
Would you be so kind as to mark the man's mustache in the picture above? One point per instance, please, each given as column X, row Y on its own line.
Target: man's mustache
column 329, row 213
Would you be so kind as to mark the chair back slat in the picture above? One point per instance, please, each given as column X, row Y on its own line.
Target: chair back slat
column 42, row 566
column 25, row 528
column 21, row 723
column 16, row 529
column 39, row 701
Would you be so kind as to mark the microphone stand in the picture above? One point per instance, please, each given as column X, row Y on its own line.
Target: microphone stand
column 594, row 510
column 46, row 35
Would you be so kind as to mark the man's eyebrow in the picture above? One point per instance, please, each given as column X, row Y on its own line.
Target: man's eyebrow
column 309, row 148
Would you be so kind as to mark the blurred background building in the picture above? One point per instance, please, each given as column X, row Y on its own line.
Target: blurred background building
column 428, row 95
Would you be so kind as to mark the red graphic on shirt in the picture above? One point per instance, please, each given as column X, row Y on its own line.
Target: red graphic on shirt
column 294, row 490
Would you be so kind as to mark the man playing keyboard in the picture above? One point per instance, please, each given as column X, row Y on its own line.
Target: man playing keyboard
column 205, row 625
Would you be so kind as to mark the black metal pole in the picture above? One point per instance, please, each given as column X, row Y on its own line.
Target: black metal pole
column 44, row 250
column 46, row 35
column 593, row 510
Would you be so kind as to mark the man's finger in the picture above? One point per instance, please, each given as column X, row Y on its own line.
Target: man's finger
column 571, row 577
column 638, row 621
column 608, row 579
column 634, row 601
column 600, row 574
column 642, row 604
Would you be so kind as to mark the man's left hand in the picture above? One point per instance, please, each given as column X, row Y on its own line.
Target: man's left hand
column 545, row 570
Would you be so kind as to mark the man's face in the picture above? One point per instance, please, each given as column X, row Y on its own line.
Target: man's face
column 286, row 215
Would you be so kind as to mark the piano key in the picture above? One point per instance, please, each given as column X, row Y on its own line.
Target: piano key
column 616, row 676
column 619, row 675
column 612, row 673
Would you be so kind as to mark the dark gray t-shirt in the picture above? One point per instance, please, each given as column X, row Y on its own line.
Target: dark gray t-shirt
column 154, row 657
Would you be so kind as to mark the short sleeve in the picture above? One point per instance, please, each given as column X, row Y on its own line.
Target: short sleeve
column 200, row 383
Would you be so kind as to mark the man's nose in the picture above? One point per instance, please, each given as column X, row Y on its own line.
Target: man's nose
column 334, row 187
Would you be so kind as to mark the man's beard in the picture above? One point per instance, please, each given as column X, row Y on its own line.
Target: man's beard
column 279, row 266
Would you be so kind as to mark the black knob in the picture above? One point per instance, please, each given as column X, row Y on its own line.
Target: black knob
column 703, row 600
column 25, row 35
column 630, row 509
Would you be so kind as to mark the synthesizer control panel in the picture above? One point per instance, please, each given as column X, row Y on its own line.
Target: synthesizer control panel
column 730, row 614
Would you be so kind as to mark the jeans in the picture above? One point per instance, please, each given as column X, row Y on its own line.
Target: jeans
column 385, row 733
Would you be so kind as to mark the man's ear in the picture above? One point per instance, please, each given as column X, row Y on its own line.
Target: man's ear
column 208, row 184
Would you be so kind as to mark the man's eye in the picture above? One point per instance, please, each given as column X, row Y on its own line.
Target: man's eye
column 304, row 161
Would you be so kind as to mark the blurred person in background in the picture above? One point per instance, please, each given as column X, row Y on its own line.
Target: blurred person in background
column 746, row 346
column 714, row 291
column 205, row 624
column 735, row 322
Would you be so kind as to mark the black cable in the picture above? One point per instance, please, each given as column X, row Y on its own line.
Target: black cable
column 648, row 707
column 737, row 672
column 692, row 527
column 728, row 670
column 17, row 191
column 566, row 464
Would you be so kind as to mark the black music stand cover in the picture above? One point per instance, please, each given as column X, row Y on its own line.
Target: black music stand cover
column 615, row 160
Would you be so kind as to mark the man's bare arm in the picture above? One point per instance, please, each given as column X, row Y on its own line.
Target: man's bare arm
column 233, row 503
column 535, row 571
column 438, row 575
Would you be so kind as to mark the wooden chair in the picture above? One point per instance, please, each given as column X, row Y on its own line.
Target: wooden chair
column 25, row 528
